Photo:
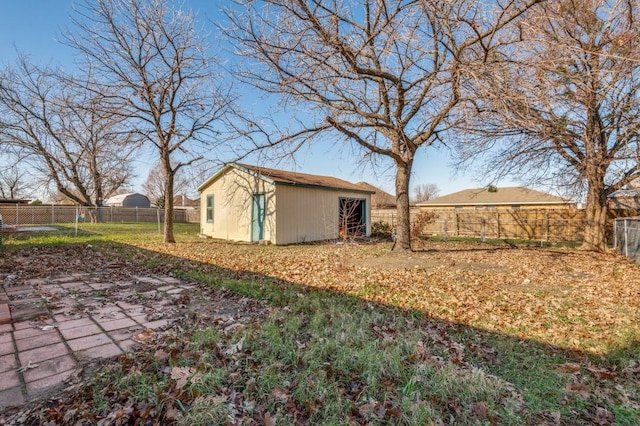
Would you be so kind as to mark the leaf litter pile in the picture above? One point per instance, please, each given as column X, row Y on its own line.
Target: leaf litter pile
column 322, row 334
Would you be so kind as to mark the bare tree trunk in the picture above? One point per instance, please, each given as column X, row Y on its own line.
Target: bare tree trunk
column 595, row 217
column 403, row 230
column 168, row 203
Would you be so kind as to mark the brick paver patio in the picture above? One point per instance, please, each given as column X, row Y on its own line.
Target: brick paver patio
column 50, row 328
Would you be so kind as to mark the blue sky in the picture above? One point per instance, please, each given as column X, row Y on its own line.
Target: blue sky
column 33, row 27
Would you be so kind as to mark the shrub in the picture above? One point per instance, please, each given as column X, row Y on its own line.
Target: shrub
column 381, row 229
column 421, row 220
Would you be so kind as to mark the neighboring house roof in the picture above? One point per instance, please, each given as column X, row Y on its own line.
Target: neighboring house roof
column 380, row 198
column 184, row 201
column 282, row 177
column 117, row 199
column 624, row 199
column 501, row 196
column 120, row 198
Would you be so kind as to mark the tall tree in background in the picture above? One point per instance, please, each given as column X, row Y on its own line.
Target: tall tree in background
column 566, row 107
column 52, row 122
column 384, row 74
column 13, row 182
column 154, row 58
column 154, row 186
column 425, row 192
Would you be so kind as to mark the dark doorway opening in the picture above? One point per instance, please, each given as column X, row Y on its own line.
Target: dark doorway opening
column 352, row 217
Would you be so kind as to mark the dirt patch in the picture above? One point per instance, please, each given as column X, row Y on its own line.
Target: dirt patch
column 426, row 260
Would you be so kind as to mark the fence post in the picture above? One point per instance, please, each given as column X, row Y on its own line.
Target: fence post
column 626, row 238
column 446, row 229
column 483, row 232
column 17, row 214
column 76, row 221
column 0, row 229
column 137, row 214
column 615, row 234
column 546, row 216
column 158, row 215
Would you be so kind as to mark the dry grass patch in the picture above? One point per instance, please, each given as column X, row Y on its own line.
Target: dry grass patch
column 567, row 298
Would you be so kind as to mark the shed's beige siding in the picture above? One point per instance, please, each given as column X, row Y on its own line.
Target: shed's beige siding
column 311, row 214
column 301, row 214
column 233, row 193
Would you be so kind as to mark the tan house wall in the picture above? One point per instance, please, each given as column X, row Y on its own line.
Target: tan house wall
column 311, row 214
column 232, row 205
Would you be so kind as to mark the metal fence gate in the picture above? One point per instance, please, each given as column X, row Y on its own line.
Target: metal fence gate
column 626, row 237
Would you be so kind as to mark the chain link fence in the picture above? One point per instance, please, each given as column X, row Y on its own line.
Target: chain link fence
column 626, row 237
column 20, row 214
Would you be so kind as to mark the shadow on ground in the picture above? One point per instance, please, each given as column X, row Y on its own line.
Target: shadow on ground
column 550, row 385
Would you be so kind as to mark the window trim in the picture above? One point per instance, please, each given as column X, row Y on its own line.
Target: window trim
column 209, row 208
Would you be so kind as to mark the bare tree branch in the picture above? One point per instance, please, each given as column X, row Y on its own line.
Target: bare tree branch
column 383, row 74
column 153, row 58
column 566, row 106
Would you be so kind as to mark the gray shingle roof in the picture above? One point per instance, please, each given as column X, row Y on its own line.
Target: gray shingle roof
column 502, row 196
column 292, row 178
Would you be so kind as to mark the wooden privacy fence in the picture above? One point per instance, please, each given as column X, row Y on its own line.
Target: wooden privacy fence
column 521, row 224
column 21, row 214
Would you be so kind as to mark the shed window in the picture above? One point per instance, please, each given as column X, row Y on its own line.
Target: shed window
column 209, row 208
column 515, row 207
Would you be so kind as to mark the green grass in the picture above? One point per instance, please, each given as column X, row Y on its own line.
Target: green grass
column 98, row 233
column 328, row 358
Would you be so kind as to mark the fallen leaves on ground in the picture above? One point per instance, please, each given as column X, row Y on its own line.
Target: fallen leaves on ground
column 567, row 298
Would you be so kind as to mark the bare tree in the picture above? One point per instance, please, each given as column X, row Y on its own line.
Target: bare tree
column 154, row 58
column 425, row 191
column 565, row 108
column 13, row 182
column 52, row 122
column 154, row 186
column 384, row 74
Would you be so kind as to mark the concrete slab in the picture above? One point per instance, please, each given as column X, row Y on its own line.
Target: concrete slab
column 5, row 314
column 47, row 383
column 64, row 322
column 74, row 333
column 42, row 353
column 38, row 341
column 49, row 368
column 11, row 397
column 100, row 352
column 8, row 362
column 87, row 342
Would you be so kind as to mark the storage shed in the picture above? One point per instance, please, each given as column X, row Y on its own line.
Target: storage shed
column 250, row 203
column 128, row 200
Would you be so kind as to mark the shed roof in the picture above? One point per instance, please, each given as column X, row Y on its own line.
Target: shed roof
column 501, row 196
column 283, row 177
column 380, row 198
